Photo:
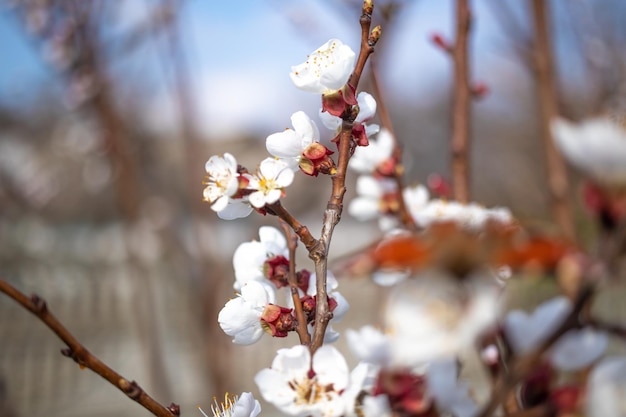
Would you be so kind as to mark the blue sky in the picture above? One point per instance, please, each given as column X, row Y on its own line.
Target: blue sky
column 240, row 53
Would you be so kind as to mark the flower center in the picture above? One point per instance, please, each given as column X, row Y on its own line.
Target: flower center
column 267, row 184
column 222, row 409
column 321, row 60
column 309, row 391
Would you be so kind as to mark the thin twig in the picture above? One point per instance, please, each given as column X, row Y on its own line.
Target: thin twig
column 461, row 105
column 299, row 229
column 301, row 329
column 83, row 357
column 398, row 173
column 557, row 174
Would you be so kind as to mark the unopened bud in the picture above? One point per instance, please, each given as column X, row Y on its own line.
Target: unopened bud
column 375, row 35
column 368, row 6
column 440, row 42
column 480, row 90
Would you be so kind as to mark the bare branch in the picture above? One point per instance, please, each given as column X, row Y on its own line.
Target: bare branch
column 83, row 357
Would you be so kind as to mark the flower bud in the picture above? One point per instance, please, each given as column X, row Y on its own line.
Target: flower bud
column 374, row 35
column 368, row 6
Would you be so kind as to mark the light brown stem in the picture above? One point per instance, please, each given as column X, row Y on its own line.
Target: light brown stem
column 334, row 208
column 459, row 144
column 398, row 174
column 83, row 357
column 557, row 174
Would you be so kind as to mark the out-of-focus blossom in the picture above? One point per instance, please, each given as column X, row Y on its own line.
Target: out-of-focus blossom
column 244, row 405
column 376, row 198
column 435, row 317
column 606, row 388
column 596, row 146
column 450, row 394
column 241, row 316
column 222, row 181
column 470, row 216
column 577, row 349
column 525, row 332
column 298, row 386
column 326, row 69
column 250, row 257
column 370, row 345
column 269, row 183
column 361, row 131
column 376, row 157
column 376, row 406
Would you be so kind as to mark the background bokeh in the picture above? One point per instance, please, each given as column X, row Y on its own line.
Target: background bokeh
column 109, row 110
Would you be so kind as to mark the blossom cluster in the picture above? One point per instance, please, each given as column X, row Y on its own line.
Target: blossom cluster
column 447, row 265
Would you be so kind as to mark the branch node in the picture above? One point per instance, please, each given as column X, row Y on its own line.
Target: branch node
column 132, row 389
column 174, row 409
column 39, row 304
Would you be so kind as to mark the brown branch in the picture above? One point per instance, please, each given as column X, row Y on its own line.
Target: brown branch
column 461, row 105
column 557, row 174
column 301, row 329
column 521, row 366
column 302, row 231
column 398, row 173
column 332, row 214
column 83, row 357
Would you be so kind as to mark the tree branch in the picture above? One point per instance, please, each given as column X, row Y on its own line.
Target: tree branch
column 301, row 329
column 557, row 174
column 461, row 105
column 332, row 214
column 83, row 357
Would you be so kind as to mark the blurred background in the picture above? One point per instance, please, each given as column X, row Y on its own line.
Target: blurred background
column 109, row 110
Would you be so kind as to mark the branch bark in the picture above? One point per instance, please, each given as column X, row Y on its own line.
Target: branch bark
column 461, row 105
column 557, row 174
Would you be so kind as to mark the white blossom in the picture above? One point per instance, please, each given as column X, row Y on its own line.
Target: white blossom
column 367, row 158
column 269, row 182
column 222, row 180
column 294, row 390
column 244, row 405
column 525, row 332
column 450, row 394
column 606, row 388
column 250, row 257
column 240, row 317
column 434, row 317
column 370, row 345
column 289, row 144
column 470, row 216
column 326, row 69
column 577, row 349
column 596, row 146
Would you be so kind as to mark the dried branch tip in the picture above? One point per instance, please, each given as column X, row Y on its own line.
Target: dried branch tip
column 368, row 7
column 374, row 36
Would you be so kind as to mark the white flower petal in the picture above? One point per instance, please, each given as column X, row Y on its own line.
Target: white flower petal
column 578, row 348
column 525, row 332
column 367, row 106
